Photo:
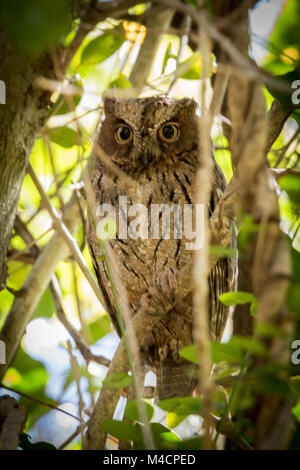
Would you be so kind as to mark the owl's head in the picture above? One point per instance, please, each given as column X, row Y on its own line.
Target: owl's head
column 141, row 133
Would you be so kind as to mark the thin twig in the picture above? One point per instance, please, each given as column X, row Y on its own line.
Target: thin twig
column 40, row 402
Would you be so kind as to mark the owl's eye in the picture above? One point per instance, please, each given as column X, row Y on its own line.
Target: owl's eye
column 169, row 132
column 123, row 134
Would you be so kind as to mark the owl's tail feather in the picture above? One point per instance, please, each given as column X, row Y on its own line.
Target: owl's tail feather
column 174, row 379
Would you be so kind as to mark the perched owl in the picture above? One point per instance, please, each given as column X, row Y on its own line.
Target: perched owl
column 154, row 142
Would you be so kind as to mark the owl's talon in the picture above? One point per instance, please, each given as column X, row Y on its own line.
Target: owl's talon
column 168, row 284
column 152, row 303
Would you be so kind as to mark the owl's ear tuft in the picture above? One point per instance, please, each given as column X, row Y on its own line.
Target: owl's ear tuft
column 189, row 104
column 109, row 105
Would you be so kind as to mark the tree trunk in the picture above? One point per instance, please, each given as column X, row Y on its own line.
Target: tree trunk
column 20, row 120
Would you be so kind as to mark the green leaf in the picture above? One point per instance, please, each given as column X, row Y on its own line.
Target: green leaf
column 34, row 25
column 179, row 408
column 192, row 67
column 195, row 443
column 190, row 353
column 138, row 9
column 46, row 306
column 293, row 298
column 102, row 47
column 168, row 55
column 163, row 437
column 234, row 350
column 293, row 294
column 288, row 99
column 247, row 228
column 173, row 419
column 182, row 405
column 132, row 412
column 230, row 352
column 296, row 411
column 269, row 330
column 291, row 184
column 233, row 298
column 295, row 383
column 33, row 380
column 63, row 107
column 250, row 344
column 118, row 380
column 295, row 263
column 25, row 444
column 268, row 379
column 253, row 308
column 122, row 430
column 284, row 38
column 120, row 82
column 99, row 328
column 63, row 136
column 221, row 251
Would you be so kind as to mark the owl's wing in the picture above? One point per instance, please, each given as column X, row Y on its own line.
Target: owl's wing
column 223, row 276
column 99, row 267
column 107, row 301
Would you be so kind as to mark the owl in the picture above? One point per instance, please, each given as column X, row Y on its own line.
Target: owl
column 153, row 141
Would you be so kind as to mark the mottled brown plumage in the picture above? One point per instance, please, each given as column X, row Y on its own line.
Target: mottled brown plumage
column 163, row 172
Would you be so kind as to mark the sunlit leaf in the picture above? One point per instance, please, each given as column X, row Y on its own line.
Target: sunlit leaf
column 291, row 184
column 221, row 251
column 118, row 380
column 233, row 298
column 182, row 405
column 99, row 328
column 138, row 9
column 284, row 36
column 102, row 47
column 132, row 412
column 190, row 353
column 121, row 430
column 63, row 107
column 163, row 437
column 46, row 306
column 234, row 350
column 64, row 136
column 192, row 67
column 296, row 411
column 226, row 352
column 120, row 82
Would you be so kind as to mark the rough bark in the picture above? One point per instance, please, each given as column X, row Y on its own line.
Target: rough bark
column 21, row 118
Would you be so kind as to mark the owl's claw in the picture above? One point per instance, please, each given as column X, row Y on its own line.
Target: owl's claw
column 159, row 299
column 152, row 302
column 168, row 284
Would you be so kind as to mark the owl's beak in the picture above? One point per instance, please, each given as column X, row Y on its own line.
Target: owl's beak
column 146, row 159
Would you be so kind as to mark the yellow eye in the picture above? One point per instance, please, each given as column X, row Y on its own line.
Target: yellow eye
column 123, row 134
column 169, row 132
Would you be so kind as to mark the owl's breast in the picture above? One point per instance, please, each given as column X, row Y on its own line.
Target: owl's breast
column 150, row 235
